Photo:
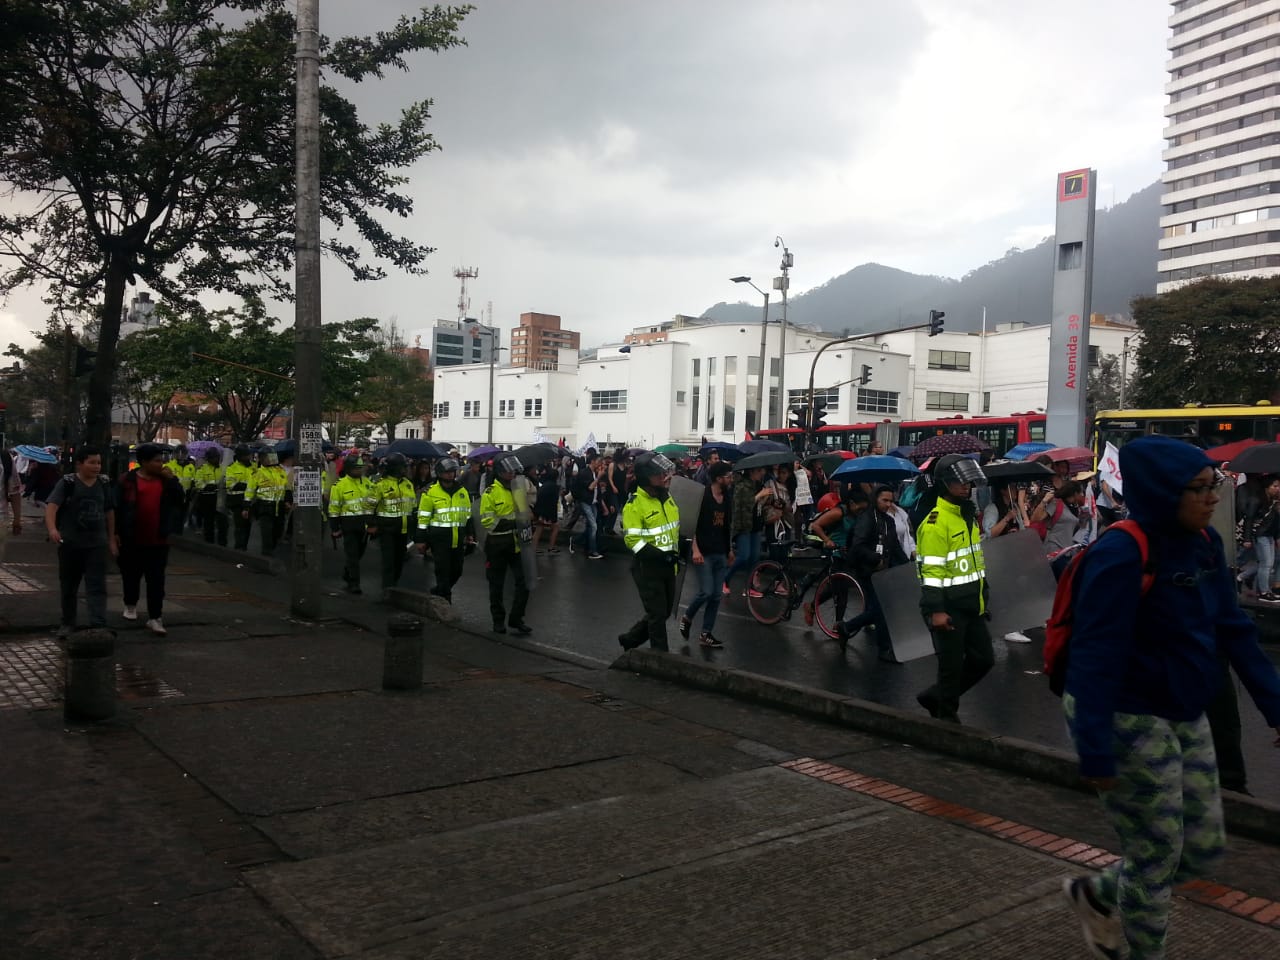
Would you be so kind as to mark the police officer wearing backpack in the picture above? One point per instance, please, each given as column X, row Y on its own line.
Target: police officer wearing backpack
column 953, row 587
column 651, row 531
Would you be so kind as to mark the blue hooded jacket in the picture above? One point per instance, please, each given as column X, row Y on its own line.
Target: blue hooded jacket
column 1158, row 654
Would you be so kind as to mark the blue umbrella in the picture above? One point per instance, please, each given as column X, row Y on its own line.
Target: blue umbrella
column 763, row 446
column 727, row 451
column 38, row 454
column 1029, row 449
column 903, row 452
column 876, row 470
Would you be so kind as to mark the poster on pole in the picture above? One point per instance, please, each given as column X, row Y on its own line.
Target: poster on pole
column 306, row 491
column 309, row 439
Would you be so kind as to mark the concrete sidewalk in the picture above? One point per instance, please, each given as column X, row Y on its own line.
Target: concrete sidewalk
column 260, row 796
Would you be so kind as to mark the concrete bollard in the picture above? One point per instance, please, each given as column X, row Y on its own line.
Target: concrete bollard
column 402, row 656
column 89, row 689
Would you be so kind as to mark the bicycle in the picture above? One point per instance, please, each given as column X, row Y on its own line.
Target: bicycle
column 773, row 592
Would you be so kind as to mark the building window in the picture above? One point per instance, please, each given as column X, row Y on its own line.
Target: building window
column 440, row 411
column 1070, row 256
column 471, row 408
column 800, row 398
column 877, row 401
column 730, row 394
column 506, row 408
column 532, row 407
column 1095, row 355
column 986, row 402
column 949, row 359
column 942, row 400
column 605, row 401
column 411, row 433
column 680, row 396
column 694, row 423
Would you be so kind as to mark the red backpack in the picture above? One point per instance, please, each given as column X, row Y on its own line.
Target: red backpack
column 1057, row 631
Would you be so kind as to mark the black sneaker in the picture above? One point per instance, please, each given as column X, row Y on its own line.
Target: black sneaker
column 685, row 626
column 522, row 628
column 1269, row 598
column 499, row 628
column 929, row 702
column 709, row 640
column 1100, row 926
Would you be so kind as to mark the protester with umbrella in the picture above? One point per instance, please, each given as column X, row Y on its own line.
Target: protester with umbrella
column 874, row 546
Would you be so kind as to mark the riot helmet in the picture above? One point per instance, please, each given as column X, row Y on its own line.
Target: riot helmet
column 652, row 466
column 508, row 466
column 395, row 465
column 954, row 468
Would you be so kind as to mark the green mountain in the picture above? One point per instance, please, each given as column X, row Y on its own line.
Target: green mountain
column 1016, row 288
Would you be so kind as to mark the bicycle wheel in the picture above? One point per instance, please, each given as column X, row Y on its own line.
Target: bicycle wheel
column 838, row 598
column 768, row 592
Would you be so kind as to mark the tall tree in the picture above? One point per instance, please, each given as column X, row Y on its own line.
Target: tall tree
column 1212, row 341
column 1103, row 391
column 396, row 385
column 153, row 140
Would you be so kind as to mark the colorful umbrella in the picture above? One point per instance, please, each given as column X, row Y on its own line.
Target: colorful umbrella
column 1069, row 454
column 875, row 469
column 1025, row 451
column 38, row 454
column 946, row 443
column 1229, row 451
column 484, row 452
column 672, row 450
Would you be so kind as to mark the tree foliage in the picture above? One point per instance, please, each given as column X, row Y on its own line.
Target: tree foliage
column 241, row 361
column 1103, row 391
column 153, row 140
column 44, row 401
column 1212, row 341
column 395, row 386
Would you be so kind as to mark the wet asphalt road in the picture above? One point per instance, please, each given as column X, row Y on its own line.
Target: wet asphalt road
column 582, row 605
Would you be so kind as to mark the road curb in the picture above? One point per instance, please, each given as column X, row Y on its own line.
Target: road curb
column 1245, row 816
column 250, row 561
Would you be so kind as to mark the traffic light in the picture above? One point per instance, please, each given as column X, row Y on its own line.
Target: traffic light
column 935, row 322
column 866, row 374
column 819, row 416
column 800, row 418
column 84, row 360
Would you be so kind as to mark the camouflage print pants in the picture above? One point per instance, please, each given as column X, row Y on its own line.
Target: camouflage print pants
column 1166, row 809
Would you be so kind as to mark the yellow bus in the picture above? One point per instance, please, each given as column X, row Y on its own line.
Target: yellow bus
column 1211, row 426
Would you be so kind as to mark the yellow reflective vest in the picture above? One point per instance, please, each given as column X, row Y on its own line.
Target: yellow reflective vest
column 392, row 499
column 648, row 521
column 206, row 479
column 949, row 561
column 351, row 497
column 267, row 486
column 498, row 514
column 439, row 510
column 237, row 479
column 186, row 474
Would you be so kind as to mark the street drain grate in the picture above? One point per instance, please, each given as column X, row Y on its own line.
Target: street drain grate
column 31, row 677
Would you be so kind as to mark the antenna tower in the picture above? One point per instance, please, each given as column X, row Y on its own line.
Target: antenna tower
column 463, row 274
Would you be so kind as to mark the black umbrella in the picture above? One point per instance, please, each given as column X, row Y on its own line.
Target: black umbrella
column 1264, row 458
column 767, row 459
column 412, row 447
column 536, row 454
column 1016, row 471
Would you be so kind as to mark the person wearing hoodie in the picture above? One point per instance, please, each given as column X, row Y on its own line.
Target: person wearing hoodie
column 1143, row 669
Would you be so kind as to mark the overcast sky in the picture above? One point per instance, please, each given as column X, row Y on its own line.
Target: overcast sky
column 615, row 162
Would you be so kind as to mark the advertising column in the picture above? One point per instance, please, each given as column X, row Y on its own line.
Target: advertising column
column 1072, row 291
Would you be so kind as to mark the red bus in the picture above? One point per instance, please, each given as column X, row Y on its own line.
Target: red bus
column 1000, row 433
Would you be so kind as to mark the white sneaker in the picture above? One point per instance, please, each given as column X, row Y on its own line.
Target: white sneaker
column 156, row 627
column 130, row 613
column 1016, row 637
column 1101, row 928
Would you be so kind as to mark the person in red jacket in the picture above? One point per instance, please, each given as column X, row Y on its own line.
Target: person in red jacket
column 149, row 509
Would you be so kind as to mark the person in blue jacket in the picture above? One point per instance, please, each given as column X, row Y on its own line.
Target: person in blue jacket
column 1141, row 673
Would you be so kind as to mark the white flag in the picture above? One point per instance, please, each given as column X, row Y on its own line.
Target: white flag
column 588, row 444
column 1109, row 469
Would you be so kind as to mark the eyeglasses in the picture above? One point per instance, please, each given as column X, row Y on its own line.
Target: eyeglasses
column 1204, row 489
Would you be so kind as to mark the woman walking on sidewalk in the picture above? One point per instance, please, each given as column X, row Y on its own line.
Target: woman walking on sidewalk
column 1144, row 666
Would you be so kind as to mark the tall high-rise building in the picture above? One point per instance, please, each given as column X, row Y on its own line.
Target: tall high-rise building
column 456, row 342
column 1221, row 198
column 538, row 340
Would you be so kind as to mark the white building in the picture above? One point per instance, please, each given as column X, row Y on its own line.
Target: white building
column 703, row 380
column 1223, row 142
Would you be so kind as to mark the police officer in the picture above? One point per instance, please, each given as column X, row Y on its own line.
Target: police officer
column 393, row 506
column 350, row 501
column 238, row 476
column 953, row 587
column 208, row 486
column 263, row 500
column 184, row 468
column 502, row 547
column 444, row 525
column 651, row 531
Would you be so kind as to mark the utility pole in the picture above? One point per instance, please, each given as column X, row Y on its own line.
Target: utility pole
column 1124, row 372
column 305, row 573
column 68, row 361
column 783, row 283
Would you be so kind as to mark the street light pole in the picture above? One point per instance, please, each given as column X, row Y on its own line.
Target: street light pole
column 783, row 283
column 764, row 335
column 493, row 359
column 305, row 555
